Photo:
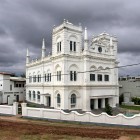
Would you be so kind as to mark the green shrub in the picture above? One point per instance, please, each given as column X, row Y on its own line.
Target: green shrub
column 108, row 109
column 136, row 100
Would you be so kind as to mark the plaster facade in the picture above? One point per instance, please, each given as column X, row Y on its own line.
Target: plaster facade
column 11, row 88
column 72, row 77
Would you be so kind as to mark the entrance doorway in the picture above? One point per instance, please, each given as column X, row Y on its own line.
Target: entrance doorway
column 17, row 98
column 48, row 101
column 92, row 104
column 99, row 103
column 8, row 99
column 106, row 101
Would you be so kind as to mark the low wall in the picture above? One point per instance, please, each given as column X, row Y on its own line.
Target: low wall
column 9, row 110
column 89, row 117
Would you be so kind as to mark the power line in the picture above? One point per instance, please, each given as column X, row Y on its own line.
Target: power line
column 130, row 65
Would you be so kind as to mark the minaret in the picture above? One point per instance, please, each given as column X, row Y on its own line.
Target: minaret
column 86, row 41
column 43, row 48
column 27, row 57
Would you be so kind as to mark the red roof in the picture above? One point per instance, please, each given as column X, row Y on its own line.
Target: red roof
column 5, row 73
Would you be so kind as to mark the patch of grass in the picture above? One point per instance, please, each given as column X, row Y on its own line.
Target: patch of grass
column 130, row 107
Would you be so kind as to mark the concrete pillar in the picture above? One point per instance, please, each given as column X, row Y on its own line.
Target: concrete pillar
column 23, row 104
column 103, row 103
column 110, row 101
column 95, row 103
column 24, row 112
column 36, row 100
column 86, row 99
column 66, row 99
column 15, row 108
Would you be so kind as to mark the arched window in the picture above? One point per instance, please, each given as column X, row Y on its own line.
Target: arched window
column 38, row 96
column 58, row 73
column 73, row 100
column 29, row 95
column 59, row 44
column 33, row 95
column 58, row 99
column 73, row 72
column 72, row 43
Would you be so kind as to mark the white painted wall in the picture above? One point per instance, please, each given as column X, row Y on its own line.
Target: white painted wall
column 131, row 87
column 9, row 110
column 5, row 90
column 120, row 119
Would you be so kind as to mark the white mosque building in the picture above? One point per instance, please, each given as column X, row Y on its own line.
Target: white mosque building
column 77, row 74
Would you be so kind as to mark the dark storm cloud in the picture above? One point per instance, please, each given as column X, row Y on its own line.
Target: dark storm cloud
column 23, row 24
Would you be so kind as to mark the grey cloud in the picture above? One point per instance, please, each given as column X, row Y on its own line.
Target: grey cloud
column 27, row 22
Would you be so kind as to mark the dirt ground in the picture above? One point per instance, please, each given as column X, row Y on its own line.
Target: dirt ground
column 11, row 128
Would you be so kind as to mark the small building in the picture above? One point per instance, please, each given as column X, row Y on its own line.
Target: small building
column 129, row 87
column 11, row 88
column 73, row 77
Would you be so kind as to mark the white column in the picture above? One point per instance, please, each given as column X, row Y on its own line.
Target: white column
column 110, row 101
column 24, row 112
column 41, row 99
column 95, row 103
column 36, row 100
column 86, row 99
column 103, row 103
column 15, row 108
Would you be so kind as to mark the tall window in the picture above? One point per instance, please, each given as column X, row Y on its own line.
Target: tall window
column 38, row 96
column 34, row 78
column 34, row 95
column 92, row 77
column 73, row 100
column 38, row 78
column 58, row 99
column 49, row 77
column 45, row 77
column 99, row 77
column 106, row 77
column 58, row 75
column 29, row 95
column 72, row 46
column 58, row 46
column 10, row 87
column 30, row 79
column 73, row 76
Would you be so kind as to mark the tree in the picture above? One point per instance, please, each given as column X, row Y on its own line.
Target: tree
column 108, row 109
column 23, row 75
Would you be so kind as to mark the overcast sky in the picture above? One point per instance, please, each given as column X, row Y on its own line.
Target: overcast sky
column 23, row 24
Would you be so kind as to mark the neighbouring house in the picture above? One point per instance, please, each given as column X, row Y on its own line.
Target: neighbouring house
column 77, row 74
column 129, row 87
column 11, row 88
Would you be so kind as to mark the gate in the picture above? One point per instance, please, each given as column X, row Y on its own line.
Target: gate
column 19, row 109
